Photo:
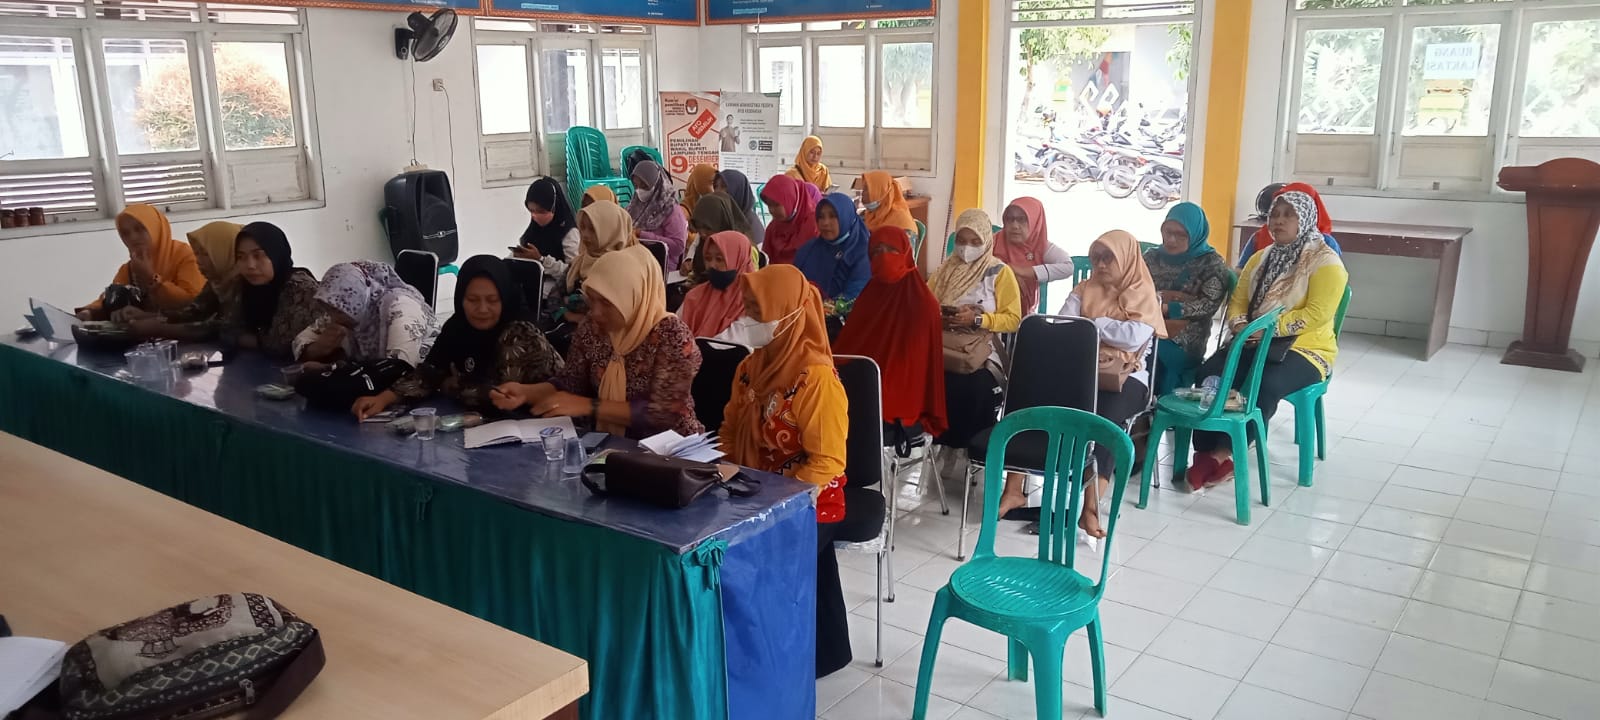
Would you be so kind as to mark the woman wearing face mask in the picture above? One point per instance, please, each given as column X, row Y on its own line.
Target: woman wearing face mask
column 1024, row 244
column 808, row 167
column 1301, row 275
column 631, row 364
column 896, row 323
column 977, row 295
column 655, row 211
column 163, row 270
column 885, row 205
column 1193, row 281
column 200, row 319
column 836, row 259
column 368, row 313
column 277, row 301
column 552, row 236
column 793, row 207
column 713, row 305
column 788, row 415
column 487, row 342
column 737, row 186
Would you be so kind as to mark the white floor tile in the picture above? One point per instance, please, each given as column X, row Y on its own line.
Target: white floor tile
column 1453, row 627
column 1207, row 648
column 1507, row 493
column 896, row 642
column 1075, row 668
column 1559, row 615
column 1389, row 546
column 1171, row 561
column 1235, row 613
column 1303, row 529
column 1571, row 527
column 1330, row 483
column 1496, row 601
column 1499, row 515
column 1553, row 651
column 833, row 688
column 881, row 697
column 1431, row 663
column 1390, row 698
column 1261, row 582
column 1147, row 590
column 1249, row 702
column 1332, row 638
column 1491, row 539
column 1284, row 554
column 1215, row 539
column 1477, row 565
column 1550, row 694
column 1415, row 500
column 1372, row 574
column 1563, row 582
column 1431, row 480
column 957, row 674
column 1355, row 604
column 1542, row 478
column 1174, row 688
column 1129, row 626
column 1324, row 507
column 1308, row 677
column 1568, row 554
column 1402, row 522
column 1584, row 505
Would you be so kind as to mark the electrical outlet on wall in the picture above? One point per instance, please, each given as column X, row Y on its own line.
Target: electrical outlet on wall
column 438, row 84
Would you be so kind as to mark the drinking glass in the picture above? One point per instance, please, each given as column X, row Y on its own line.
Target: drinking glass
column 424, row 421
column 555, row 446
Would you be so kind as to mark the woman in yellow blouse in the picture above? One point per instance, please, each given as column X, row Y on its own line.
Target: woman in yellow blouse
column 788, row 415
column 162, row 268
column 1302, row 275
column 808, row 165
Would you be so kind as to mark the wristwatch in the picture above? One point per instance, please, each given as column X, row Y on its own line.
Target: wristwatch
column 977, row 320
column 594, row 410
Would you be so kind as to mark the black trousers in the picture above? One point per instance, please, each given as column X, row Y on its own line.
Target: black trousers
column 863, row 520
column 1278, row 380
column 1118, row 407
column 972, row 404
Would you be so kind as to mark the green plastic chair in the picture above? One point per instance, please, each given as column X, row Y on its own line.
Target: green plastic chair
column 1309, row 418
column 916, row 241
column 589, row 164
column 1037, row 602
column 1145, row 247
column 1185, row 416
column 622, row 160
column 1080, row 269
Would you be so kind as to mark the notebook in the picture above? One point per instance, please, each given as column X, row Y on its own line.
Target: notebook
column 27, row 665
column 516, row 431
column 52, row 322
column 700, row 447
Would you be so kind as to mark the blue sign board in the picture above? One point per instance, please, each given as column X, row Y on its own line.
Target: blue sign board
column 665, row 12
column 724, row 12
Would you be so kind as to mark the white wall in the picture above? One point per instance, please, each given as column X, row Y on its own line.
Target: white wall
column 1493, row 278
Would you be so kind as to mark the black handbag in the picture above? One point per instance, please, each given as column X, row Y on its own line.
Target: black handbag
column 665, row 482
column 338, row 387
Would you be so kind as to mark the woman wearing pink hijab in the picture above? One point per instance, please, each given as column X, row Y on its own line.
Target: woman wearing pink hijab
column 713, row 305
column 1024, row 243
column 793, row 206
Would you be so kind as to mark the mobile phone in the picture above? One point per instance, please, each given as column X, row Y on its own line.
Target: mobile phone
column 26, row 331
column 593, row 440
column 274, row 391
column 513, row 248
column 949, row 309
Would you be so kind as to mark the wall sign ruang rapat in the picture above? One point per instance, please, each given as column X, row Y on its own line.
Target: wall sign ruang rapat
column 1563, row 217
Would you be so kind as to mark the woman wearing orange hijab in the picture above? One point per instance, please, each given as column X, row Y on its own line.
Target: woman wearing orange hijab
column 788, row 415
column 808, row 167
column 885, row 204
column 161, row 268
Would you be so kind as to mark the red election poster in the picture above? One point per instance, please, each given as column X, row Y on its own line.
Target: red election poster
column 693, row 130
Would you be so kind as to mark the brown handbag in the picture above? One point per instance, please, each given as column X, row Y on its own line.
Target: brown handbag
column 967, row 349
column 662, row 481
column 1115, row 367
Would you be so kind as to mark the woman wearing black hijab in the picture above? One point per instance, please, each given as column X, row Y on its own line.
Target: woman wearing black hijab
column 489, row 340
column 276, row 299
column 552, row 234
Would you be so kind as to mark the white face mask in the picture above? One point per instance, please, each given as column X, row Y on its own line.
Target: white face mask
column 759, row 334
column 969, row 253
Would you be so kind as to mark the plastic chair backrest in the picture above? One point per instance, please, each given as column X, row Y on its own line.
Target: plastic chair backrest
column 623, row 166
column 950, row 242
column 863, row 388
column 1338, row 317
column 1070, row 432
column 420, row 269
column 1145, row 247
column 1080, row 269
column 659, row 250
column 713, row 384
column 529, row 277
column 916, row 242
column 1267, row 325
column 1056, row 363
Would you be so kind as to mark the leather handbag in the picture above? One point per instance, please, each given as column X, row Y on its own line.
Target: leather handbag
column 666, row 482
column 1115, row 367
column 967, row 349
column 213, row 656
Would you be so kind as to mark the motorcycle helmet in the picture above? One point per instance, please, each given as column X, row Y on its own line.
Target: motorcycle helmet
column 1265, row 197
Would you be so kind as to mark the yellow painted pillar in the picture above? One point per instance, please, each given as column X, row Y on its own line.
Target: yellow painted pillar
column 972, row 107
column 1224, row 91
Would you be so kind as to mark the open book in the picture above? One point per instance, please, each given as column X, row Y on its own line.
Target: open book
column 700, row 447
column 516, row 431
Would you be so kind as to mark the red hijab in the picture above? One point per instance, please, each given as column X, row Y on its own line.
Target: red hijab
column 895, row 321
column 1022, row 258
column 787, row 233
column 1262, row 238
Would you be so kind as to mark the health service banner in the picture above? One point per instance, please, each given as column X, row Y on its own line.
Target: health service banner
column 693, row 130
column 749, row 135
column 738, row 12
column 659, row 12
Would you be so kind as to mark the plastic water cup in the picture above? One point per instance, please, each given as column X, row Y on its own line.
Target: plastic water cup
column 555, row 446
column 573, row 463
column 424, row 421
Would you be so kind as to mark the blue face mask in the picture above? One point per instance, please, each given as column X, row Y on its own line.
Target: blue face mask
column 871, row 205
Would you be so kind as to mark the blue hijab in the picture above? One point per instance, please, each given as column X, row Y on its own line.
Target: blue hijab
column 840, row 268
column 1193, row 220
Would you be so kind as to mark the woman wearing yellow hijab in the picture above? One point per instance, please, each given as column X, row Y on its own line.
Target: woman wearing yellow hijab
column 885, row 204
column 163, row 269
column 788, row 415
column 808, row 165
column 596, row 194
column 702, row 182
column 603, row 227
column 631, row 364
column 199, row 320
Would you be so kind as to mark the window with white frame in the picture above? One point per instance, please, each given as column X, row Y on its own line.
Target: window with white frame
column 865, row 87
column 1437, row 95
column 181, row 105
column 538, row 79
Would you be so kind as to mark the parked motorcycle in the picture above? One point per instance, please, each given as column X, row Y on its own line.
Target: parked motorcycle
column 1161, row 182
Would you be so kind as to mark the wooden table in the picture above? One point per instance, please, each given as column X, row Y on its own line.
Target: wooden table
column 83, row 549
column 1428, row 242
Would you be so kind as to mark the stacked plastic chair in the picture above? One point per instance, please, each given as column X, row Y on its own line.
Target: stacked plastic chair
column 589, row 164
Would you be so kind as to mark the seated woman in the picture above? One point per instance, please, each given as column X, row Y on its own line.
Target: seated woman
column 1193, row 281
column 656, row 213
column 631, row 364
column 808, row 167
column 1262, row 239
column 836, row 259
column 978, row 296
column 1121, row 300
column 793, row 207
column 603, row 228
column 199, row 320
column 596, row 194
column 277, row 301
column 162, row 270
column 715, row 213
column 489, row 341
column 368, row 313
column 737, row 186
column 1305, row 278
column 1024, row 244
column 896, row 323
column 701, row 182
column 788, row 415
column 552, row 237
column 712, row 306
column 885, row 205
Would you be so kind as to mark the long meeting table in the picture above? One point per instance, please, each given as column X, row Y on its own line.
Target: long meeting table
column 704, row 612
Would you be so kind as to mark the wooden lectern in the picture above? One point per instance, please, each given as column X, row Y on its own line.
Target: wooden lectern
column 1563, row 197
